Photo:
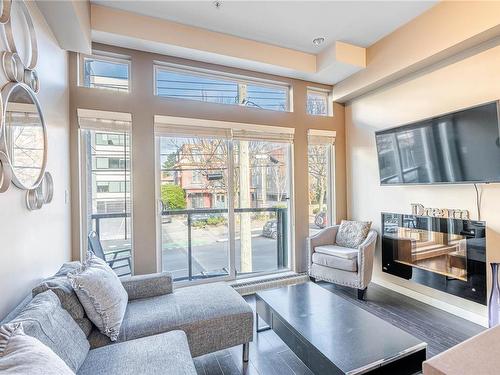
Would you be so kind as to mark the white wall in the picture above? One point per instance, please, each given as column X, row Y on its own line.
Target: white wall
column 34, row 244
column 468, row 80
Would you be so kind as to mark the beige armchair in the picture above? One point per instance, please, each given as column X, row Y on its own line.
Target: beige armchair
column 341, row 265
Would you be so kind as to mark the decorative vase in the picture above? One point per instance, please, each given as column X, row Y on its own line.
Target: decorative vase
column 494, row 303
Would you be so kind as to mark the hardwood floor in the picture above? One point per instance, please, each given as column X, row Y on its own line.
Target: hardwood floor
column 269, row 355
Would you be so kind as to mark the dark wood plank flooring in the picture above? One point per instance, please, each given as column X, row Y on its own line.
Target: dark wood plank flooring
column 269, row 355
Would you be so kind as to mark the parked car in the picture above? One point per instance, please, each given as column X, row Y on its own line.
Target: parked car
column 321, row 220
column 270, row 229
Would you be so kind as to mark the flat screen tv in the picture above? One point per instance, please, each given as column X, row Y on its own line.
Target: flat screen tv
column 456, row 148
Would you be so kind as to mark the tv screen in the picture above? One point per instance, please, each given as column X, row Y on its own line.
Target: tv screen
column 459, row 147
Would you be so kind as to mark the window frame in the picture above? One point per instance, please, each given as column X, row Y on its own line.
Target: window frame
column 328, row 140
column 223, row 76
column 328, row 98
column 106, row 57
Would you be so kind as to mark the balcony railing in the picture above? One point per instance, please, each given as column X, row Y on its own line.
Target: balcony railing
column 270, row 231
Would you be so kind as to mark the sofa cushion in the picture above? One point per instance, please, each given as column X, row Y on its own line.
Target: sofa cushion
column 102, row 295
column 352, row 233
column 23, row 354
column 61, row 286
column 214, row 317
column 44, row 319
column 338, row 251
column 166, row 353
column 332, row 261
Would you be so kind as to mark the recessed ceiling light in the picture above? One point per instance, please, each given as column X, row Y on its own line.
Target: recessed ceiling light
column 318, row 41
column 217, row 4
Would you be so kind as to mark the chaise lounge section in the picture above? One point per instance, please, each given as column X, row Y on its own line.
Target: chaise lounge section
column 162, row 328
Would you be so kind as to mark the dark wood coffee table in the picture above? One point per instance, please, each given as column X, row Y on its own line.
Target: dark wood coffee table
column 333, row 336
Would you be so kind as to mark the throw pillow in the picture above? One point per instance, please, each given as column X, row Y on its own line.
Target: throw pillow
column 61, row 286
column 23, row 354
column 352, row 233
column 44, row 319
column 102, row 295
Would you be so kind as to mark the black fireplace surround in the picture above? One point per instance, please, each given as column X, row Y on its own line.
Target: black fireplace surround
column 444, row 254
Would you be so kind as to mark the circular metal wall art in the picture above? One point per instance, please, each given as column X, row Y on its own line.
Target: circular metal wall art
column 13, row 66
column 33, row 55
column 42, row 194
column 31, row 79
column 5, row 173
column 24, row 135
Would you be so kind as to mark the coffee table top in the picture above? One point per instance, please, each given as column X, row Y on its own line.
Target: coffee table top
column 347, row 335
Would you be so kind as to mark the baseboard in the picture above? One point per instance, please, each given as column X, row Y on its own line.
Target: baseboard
column 445, row 306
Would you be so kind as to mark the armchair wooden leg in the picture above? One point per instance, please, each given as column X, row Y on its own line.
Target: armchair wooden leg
column 361, row 293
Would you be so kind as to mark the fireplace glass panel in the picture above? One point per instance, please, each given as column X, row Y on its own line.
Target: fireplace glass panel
column 445, row 254
column 442, row 253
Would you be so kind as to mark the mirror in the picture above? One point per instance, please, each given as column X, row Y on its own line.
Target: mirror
column 25, row 138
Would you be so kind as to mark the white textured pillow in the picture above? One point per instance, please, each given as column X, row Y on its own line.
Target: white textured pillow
column 101, row 294
column 352, row 233
column 21, row 354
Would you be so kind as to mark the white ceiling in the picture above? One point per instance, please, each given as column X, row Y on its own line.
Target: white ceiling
column 291, row 24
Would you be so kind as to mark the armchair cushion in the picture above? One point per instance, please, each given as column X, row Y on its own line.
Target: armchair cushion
column 352, row 233
column 336, row 262
column 145, row 286
column 338, row 251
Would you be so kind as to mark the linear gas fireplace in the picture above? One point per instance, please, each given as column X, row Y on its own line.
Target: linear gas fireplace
column 445, row 254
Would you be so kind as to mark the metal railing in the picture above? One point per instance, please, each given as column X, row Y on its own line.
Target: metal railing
column 281, row 229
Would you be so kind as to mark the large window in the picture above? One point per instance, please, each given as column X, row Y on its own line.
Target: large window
column 216, row 87
column 321, row 180
column 106, row 191
column 105, row 72
column 225, row 203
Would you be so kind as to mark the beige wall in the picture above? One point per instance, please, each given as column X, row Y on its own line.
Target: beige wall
column 34, row 244
column 143, row 105
column 463, row 81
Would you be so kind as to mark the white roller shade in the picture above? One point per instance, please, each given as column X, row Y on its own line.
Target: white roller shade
column 316, row 136
column 104, row 120
column 165, row 125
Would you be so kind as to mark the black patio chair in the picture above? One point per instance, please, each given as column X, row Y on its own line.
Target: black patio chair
column 117, row 259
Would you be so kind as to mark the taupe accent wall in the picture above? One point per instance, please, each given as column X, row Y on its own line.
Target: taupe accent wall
column 144, row 105
column 464, row 80
column 34, row 244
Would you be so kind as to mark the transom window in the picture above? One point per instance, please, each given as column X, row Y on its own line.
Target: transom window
column 105, row 72
column 318, row 102
column 213, row 87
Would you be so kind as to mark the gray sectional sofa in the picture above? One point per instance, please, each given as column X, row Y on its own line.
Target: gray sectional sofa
column 162, row 329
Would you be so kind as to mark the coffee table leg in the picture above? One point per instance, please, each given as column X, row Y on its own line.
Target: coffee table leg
column 261, row 329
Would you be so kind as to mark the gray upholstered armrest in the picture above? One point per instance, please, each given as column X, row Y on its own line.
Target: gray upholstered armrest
column 151, row 285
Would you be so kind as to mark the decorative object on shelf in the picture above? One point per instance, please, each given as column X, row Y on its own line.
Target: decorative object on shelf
column 23, row 134
column 494, row 302
column 421, row 210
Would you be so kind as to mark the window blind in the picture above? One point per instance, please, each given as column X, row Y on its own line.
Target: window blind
column 104, row 120
column 316, row 136
column 165, row 125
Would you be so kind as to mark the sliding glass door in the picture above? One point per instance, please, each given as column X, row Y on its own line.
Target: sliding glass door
column 193, row 201
column 223, row 205
column 262, row 192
